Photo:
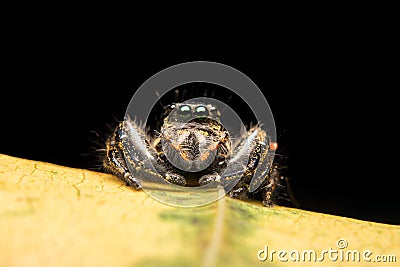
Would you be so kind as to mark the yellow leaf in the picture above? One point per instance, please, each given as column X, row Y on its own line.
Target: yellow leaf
column 58, row 216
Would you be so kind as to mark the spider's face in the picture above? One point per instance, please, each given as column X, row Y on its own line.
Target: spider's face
column 192, row 137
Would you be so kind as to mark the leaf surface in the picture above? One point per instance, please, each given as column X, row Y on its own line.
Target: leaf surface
column 52, row 215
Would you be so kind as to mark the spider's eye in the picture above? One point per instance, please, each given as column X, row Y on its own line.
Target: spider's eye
column 201, row 111
column 185, row 111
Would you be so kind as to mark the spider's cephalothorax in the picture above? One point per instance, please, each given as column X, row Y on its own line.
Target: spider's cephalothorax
column 192, row 148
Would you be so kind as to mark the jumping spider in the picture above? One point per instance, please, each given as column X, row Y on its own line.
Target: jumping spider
column 192, row 153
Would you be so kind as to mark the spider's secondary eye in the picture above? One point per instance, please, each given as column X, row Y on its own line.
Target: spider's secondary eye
column 201, row 111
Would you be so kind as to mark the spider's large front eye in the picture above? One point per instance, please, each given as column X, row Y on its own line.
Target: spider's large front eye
column 185, row 111
column 201, row 111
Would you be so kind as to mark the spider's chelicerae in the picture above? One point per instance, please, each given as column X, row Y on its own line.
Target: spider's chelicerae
column 193, row 153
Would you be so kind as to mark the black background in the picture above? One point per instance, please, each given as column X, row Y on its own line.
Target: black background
column 330, row 111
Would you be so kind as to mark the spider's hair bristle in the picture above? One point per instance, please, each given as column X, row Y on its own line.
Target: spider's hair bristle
column 98, row 138
column 157, row 134
column 224, row 150
column 157, row 93
column 281, row 156
column 97, row 152
column 253, row 124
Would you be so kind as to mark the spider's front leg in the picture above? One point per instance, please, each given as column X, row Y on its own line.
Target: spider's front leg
column 128, row 145
column 254, row 141
column 258, row 170
column 114, row 161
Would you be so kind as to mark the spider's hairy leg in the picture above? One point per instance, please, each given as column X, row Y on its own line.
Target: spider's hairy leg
column 175, row 178
column 114, row 161
column 130, row 145
column 255, row 141
column 273, row 180
column 208, row 178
